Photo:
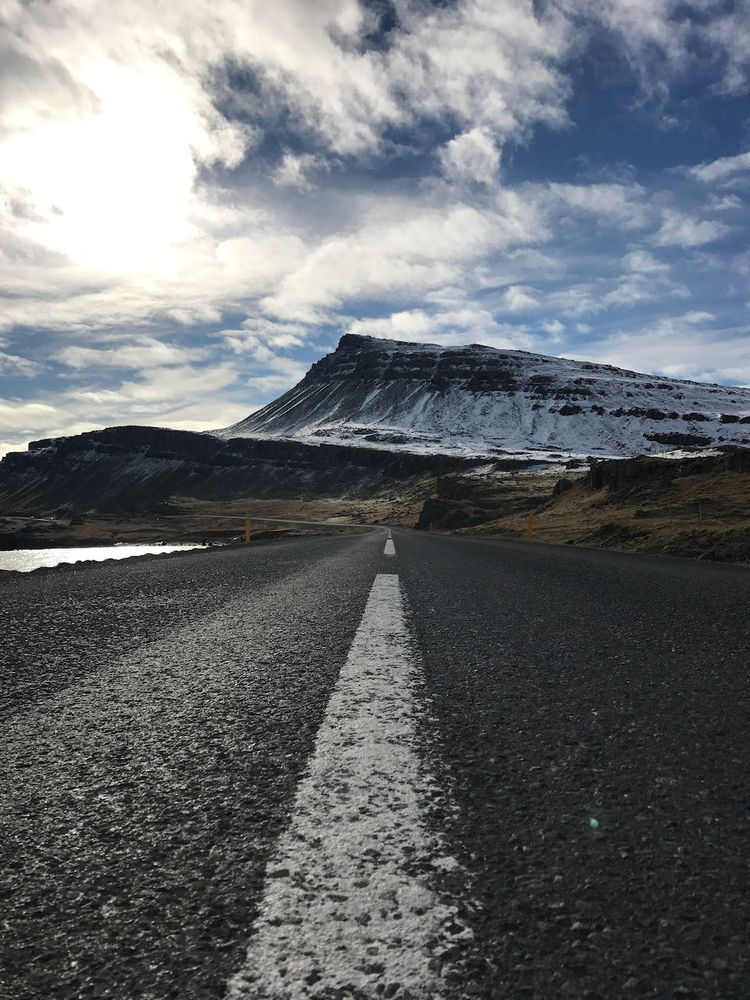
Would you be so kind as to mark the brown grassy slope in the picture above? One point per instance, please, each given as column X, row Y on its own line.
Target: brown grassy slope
column 706, row 515
column 397, row 506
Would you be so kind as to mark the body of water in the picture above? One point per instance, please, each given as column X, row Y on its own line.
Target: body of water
column 24, row 560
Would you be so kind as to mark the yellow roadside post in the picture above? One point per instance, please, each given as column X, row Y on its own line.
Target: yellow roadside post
column 530, row 526
column 248, row 531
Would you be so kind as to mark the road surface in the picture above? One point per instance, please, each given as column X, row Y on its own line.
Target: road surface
column 368, row 766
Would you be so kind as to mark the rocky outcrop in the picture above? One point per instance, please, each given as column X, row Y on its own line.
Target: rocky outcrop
column 462, row 501
column 624, row 474
column 675, row 439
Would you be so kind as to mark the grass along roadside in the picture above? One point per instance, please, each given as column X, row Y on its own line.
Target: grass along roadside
column 704, row 516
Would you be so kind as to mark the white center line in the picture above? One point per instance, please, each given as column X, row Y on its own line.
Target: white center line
column 390, row 548
column 349, row 905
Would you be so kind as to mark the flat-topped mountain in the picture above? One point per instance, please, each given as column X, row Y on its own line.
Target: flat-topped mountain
column 484, row 401
column 377, row 413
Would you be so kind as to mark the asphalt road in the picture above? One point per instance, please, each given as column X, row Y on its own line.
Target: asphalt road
column 310, row 769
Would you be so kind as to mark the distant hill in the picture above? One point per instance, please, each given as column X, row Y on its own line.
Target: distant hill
column 137, row 468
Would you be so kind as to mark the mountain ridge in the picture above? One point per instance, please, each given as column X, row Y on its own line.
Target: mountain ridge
column 487, row 401
column 133, row 468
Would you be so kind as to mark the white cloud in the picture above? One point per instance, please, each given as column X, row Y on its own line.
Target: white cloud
column 216, row 272
column 624, row 291
column 128, row 150
column 644, row 27
column 717, row 170
column 471, row 157
column 663, row 40
column 117, row 146
column 259, row 341
column 265, row 358
column 260, row 332
column 642, row 262
column 725, row 202
column 109, row 137
column 410, row 248
column 293, row 170
column 632, row 290
column 621, row 204
column 270, row 385
column 490, row 63
column 186, row 397
column 144, row 352
column 451, row 319
column 14, row 364
column 412, row 324
column 25, row 416
column 519, row 299
column 678, row 346
column 730, row 35
column 109, row 188
column 157, row 388
column 680, row 230
column 554, row 328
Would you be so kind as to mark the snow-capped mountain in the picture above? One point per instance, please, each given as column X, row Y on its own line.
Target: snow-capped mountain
column 483, row 401
column 375, row 415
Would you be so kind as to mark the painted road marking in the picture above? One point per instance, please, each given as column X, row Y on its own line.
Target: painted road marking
column 390, row 548
column 349, row 907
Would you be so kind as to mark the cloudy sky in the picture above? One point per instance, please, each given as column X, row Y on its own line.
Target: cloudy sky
column 198, row 197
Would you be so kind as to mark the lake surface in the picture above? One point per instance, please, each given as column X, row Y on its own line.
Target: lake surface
column 24, row 560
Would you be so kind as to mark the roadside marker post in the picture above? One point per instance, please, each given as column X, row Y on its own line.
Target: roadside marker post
column 248, row 531
column 529, row 525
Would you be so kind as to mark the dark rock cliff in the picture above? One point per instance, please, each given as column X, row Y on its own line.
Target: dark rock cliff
column 135, row 468
column 625, row 473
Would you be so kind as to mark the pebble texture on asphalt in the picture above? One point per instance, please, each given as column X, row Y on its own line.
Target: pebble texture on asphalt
column 585, row 714
column 142, row 793
column 593, row 709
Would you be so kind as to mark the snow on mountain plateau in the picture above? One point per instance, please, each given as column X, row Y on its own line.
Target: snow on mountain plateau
column 487, row 402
